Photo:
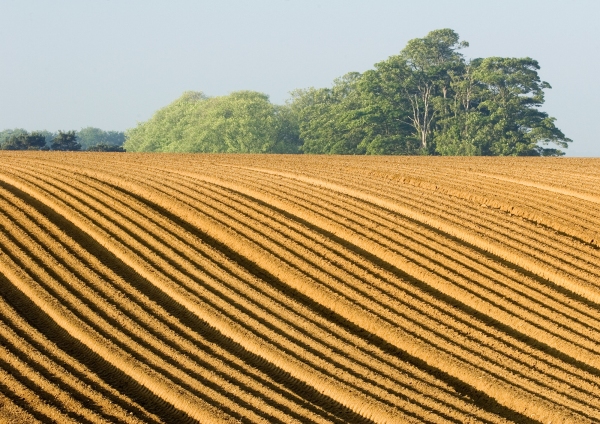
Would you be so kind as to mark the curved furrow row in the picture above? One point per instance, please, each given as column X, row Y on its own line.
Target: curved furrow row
column 348, row 199
column 11, row 412
column 559, row 241
column 581, row 191
column 79, row 318
column 49, row 390
column 556, row 246
column 56, row 383
column 15, row 272
column 128, row 331
column 97, row 319
column 162, row 318
column 356, row 400
column 346, row 265
column 337, row 263
column 576, row 218
column 241, row 288
column 190, row 348
column 478, row 179
column 154, row 343
column 529, row 241
column 25, row 393
column 105, row 399
column 428, row 242
column 149, row 223
column 535, row 232
column 554, row 253
column 258, row 236
column 290, row 331
column 464, row 230
column 374, row 220
column 220, row 288
column 430, row 201
column 433, row 179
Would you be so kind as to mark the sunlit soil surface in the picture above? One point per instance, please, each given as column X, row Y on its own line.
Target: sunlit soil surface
column 279, row 289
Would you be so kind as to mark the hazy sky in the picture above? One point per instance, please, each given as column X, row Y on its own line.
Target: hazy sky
column 69, row 64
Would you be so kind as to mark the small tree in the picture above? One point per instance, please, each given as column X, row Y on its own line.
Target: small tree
column 65, row 141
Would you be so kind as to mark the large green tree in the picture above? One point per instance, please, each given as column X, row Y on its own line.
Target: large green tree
column 7, row 133
column 241, row 122
column 430, row 100
column 495, row 111
column 330, row 118
column 511, row 95
column 386, row 110
column 431, row 60
column 168, row 126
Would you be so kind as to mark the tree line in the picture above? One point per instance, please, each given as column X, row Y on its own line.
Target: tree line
column 88, row 139
column 429, row 99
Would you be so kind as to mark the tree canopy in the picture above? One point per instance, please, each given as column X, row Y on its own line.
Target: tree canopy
column 24, row 141
column 90, row 137
column 242, row 122
column 65, row 141
column 430, row 100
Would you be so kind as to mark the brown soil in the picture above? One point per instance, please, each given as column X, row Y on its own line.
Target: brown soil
column 278, row 289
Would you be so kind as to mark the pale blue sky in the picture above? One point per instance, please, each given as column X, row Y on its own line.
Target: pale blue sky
column 68, row 64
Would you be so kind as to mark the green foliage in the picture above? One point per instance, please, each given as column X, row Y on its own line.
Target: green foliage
column 358, row 115
column 22, row 140
column 328, row 117
column 6, row 134
column 287, row 138
column 430, row 100
column 91, row 136
column 65, row 141
column 103, row 147
column 494, row 111
column 431, row 61
column 242, row 122
column 386, row 111
column 426, row 100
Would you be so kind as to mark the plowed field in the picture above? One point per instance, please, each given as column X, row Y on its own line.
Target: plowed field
column 280, row 289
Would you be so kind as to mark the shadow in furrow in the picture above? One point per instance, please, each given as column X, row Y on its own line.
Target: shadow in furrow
column 23, row 404
column 43, row 395
column 479, row 398
column 57, row 381
column 104, row 369
column 487, row 319
column 315, row 401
